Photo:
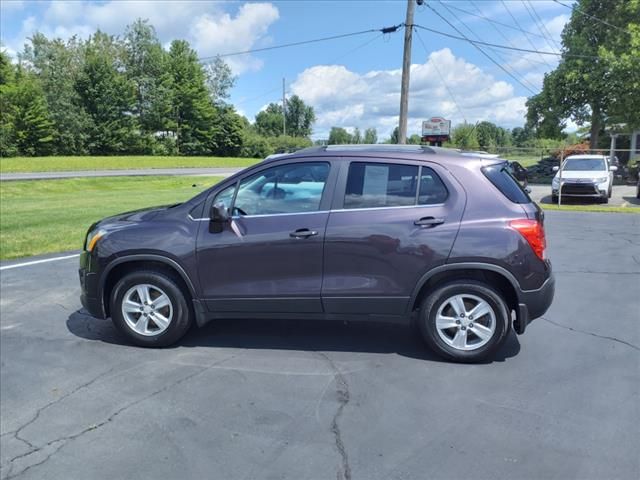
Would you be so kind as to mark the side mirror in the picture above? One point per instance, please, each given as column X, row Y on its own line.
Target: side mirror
column 613, row 168
column 218, row 216
column 527, row 189
column 555, row 169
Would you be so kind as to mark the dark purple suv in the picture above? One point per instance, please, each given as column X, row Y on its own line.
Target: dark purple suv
column 412, row 234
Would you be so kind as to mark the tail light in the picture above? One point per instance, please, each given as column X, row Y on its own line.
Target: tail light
column 533, row 232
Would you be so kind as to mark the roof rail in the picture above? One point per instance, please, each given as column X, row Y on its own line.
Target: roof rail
column 380, row 147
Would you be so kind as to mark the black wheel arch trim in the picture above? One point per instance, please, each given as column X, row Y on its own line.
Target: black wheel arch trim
column 145, row 257
column 463, row 266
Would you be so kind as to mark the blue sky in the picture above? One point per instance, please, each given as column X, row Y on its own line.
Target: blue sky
column 351, row 82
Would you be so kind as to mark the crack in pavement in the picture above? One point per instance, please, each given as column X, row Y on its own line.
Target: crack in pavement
column 68, row 438
column 342, row 391
column 604, row 337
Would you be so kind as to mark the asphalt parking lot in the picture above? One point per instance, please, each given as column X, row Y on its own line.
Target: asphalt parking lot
column 621, row 196
column 276, row 399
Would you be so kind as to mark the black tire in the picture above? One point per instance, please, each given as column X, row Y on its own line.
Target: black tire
column 429, row 331
column 554, row 198
column 182, row 314
column 610, row 192
column 604, row 200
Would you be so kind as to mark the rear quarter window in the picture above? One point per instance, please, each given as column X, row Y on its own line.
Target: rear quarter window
column 502, row 179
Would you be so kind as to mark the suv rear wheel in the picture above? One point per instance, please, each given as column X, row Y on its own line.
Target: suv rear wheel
column 464, row 321
column 150, row 308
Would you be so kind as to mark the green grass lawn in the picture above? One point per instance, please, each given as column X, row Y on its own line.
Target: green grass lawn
column 57, row 164
column 44, row 216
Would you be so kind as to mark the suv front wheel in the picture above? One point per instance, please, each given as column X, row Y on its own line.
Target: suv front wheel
column 464, row 321
column 150, row 308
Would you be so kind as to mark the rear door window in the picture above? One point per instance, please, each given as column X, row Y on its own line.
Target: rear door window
column 371, row 185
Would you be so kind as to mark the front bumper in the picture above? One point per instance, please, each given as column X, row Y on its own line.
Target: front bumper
column 89, row 287
column 534, row 303
column 571, row 189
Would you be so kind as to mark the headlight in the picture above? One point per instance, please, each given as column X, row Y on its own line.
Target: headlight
column 600, row 179
column 93, row 238
column 555, row 182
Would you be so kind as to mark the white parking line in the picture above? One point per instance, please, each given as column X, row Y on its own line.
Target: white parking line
column 35, row 262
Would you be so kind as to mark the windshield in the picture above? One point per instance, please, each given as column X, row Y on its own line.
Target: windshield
column 585, row 164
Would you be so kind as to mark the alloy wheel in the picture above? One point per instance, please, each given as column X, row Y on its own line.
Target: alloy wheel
column 147, row 309
column 465, row 322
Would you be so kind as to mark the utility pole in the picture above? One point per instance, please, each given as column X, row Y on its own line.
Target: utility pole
column 406, row 67
column 284, row 111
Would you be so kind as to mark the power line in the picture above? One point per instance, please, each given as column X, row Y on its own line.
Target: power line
column 604, row 22
column 358, row 47
column 444, row 82
column 491, row 20
column 540, row 24
column 391, row 29
column 480, row 50
column 498, row 54
column 495, row 45
column 515, row 20
column 529, row 60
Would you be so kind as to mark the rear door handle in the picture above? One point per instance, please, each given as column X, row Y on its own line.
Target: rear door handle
column 429, row 222
column 303, row 233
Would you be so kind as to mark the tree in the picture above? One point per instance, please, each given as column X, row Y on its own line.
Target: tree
column 464, row 136
column 339, row 136
column 145, row 62
column 486, row 132
column 26, row 127
column 596, row 80
column 414, row 139
column 370, row 136
column 394, row 136
column 107, row 96
column 58, row 64
column 356, row 137
column 545, row 113
column 227, row 131
column 300, row 117
column 220, row 80
column 269, row 121
column 194, row 115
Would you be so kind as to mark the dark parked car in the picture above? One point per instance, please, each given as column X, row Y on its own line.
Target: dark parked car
column 402, row 234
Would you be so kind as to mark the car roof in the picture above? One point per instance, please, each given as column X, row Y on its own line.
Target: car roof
column 400, row 152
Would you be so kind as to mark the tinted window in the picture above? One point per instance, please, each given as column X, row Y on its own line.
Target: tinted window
column 500, row 176
column 290, row 188
column 380, row 185
column 432, row 190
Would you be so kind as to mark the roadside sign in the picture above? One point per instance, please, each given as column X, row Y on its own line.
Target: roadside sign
column 436, row 127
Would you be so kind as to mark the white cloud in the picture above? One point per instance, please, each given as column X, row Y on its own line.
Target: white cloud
column 348, row 99
column 209, row 28
column 222, row 33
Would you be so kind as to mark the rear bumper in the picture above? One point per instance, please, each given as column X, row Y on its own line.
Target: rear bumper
column 534, row 303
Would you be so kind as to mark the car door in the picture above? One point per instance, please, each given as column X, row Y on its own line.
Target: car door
column 392, row 223
column 268, row 257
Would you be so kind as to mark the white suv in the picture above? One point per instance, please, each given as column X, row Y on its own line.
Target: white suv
column 584, row 176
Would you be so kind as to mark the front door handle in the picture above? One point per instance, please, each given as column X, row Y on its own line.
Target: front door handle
column 303, row 233
column 429, row 222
